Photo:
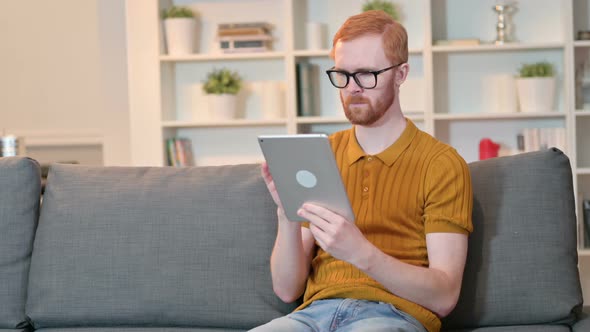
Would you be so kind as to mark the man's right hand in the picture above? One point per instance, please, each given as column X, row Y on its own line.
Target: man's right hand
column 270, row 185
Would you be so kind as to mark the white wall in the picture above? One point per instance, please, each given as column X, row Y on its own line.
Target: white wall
column 63, row 72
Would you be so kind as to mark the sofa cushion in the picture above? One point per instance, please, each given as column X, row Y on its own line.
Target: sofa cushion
column 524, row 328
column 20, row 181
column 123, row 246
column 522, row 260
column 137, row 329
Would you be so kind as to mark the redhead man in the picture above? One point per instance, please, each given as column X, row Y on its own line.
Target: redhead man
column 399, row 265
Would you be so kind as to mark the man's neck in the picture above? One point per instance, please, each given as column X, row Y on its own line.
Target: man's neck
column 378, row 137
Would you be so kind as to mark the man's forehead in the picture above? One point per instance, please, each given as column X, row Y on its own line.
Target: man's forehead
column 360, row 53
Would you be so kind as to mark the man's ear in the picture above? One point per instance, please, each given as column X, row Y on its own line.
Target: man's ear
column 401, row 74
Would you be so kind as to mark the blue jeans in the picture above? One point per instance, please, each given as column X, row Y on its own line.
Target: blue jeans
column 344, row 315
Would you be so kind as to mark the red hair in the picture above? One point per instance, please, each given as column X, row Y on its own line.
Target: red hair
column 394, row 35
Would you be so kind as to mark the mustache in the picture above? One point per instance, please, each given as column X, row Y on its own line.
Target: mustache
column 356, row 100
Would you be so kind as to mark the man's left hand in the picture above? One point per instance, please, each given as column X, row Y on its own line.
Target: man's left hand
column 336, row 235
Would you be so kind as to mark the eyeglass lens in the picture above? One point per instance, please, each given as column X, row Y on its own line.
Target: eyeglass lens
column 365, row 80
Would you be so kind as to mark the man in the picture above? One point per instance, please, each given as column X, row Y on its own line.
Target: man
column 399, row 265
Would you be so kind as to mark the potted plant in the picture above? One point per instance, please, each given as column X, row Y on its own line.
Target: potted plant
column 535, row 87
column 222, row 87
column 180, row 29
column 384, row 5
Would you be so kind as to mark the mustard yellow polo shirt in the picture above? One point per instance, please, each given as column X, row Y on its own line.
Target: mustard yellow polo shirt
column 416, row 186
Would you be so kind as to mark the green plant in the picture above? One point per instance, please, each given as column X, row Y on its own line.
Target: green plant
column 221, row 81
column 178, row 12
column 538, row 69
column 384, row 5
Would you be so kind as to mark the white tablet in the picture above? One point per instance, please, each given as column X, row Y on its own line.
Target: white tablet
column 304, row 170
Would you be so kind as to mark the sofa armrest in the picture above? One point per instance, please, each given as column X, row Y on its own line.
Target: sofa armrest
column 584, row 323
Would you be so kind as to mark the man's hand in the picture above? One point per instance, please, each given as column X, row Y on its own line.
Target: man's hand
column 270, row 185
column 336, row 235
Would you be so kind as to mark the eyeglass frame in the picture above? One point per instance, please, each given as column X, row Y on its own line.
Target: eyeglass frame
column 348, row 75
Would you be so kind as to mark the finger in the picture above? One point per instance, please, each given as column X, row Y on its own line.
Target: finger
column 264, row 170
column 318, row 235
column 314, row 219
column 323, row 212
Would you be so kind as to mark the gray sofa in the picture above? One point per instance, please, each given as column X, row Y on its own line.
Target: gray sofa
column 187, row 249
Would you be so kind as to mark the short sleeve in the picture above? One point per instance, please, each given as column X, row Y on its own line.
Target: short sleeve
column 449, row 195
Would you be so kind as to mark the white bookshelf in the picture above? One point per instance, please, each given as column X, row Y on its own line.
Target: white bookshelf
column 455, row 99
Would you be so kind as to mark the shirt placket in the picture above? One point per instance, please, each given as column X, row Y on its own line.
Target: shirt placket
column 367, row 173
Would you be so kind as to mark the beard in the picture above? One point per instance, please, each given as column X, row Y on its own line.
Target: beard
column 363, row 112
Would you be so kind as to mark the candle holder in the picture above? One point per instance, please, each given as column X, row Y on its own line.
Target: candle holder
column 504, row 26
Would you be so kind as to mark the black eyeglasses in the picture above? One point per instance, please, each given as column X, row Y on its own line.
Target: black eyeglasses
column 364, row 79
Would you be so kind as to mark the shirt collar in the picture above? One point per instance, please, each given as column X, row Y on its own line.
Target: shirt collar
column 387, row 156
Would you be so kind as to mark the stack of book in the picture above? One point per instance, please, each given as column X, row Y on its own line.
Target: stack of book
column 244, row 37
column 534, row 139
column 179, row 152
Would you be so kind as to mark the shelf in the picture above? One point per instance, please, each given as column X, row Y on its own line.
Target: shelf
column 61, row 139
column 584, row 252
column 326, row 53
column 583, row 171
column 223, row 123
column 494, row 48
column 582, row 113
column 223, row 57
column 338, row 119
column 320, row 119
column 581, row 43
column 497, row 116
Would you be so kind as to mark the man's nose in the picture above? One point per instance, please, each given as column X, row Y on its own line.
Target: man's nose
column 353, row 87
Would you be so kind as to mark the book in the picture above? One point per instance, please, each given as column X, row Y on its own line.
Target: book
column 262, row 37
column 305, row 86
column 242, row 31
column 586, row 226
column 244, row 50
column 246, row 28
column 241, row 25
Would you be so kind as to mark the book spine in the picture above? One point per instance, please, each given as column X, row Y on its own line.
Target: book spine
column 188, row 148
column 180, row 152
column 242, row 32
column 171, row 152
column 304, row 89
column 586, row 226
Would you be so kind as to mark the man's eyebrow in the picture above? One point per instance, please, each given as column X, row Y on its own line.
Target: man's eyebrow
column 358, row 70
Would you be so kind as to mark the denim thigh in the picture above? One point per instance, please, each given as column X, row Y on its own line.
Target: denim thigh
column 345, row 315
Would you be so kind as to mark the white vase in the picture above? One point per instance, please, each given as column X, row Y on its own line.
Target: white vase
column 181, row 35
column 502, row 93
column 536, row 94
column 222, row 106
column 315, row 36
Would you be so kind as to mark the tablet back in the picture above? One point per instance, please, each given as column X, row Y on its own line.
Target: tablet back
column 304, row 170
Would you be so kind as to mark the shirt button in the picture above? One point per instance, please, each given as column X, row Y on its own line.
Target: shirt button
column 366, row 173
column 365, row 189
column 370, row 158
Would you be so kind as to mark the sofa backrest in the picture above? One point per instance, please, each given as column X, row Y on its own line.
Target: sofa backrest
column 522, row 259
column 122, row 246
column 20, row 189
